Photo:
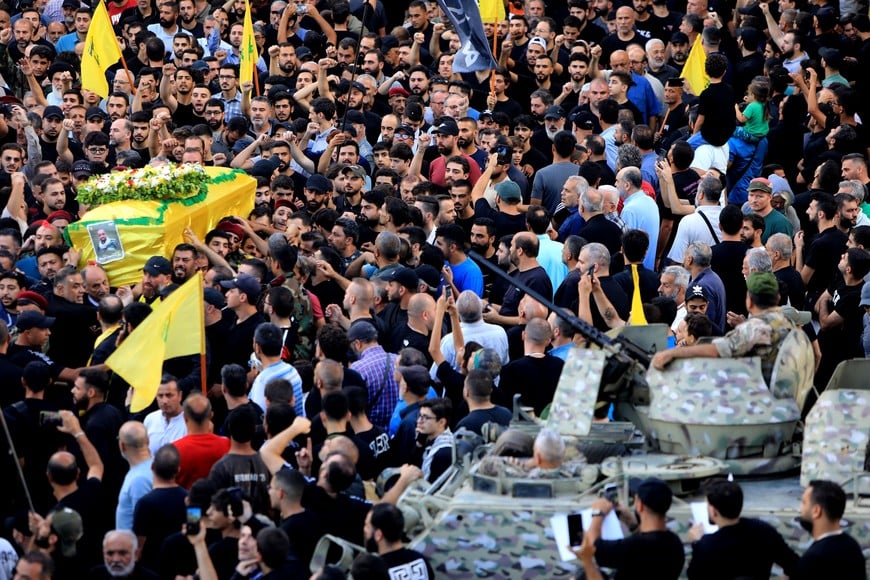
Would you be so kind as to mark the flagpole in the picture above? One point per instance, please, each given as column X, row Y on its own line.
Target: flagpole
column 494, row 44
column 17, row 462
column 256, row 80
column 203, row 370
column 126, row 70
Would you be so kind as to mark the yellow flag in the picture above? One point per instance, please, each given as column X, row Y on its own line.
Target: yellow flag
column 636, row 317
column 175, row 328
column 491, row 11
column 248, row 56
column 693, row 70
column 101, row 51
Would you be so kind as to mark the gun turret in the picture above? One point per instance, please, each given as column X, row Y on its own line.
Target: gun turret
column 625, row 358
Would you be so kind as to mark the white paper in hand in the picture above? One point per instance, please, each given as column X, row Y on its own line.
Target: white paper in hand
column 611, row 529
column 559, row 522
column 700, row 516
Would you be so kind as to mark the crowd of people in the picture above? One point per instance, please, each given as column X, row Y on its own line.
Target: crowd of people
column 365, row 311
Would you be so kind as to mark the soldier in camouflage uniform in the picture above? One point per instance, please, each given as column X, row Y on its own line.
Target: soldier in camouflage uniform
column 761, row 335
column 282, row 260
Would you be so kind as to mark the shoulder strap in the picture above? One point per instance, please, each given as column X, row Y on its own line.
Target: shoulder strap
column 709, row 226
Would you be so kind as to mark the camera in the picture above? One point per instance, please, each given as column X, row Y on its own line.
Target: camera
column 50, row 418
column 611, row 493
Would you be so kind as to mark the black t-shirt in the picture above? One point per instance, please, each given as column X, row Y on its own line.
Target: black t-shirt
column 139, row 573
column 247, row 472
column 533, row 378
column 378, row 442
column 727, row 262
column 342, row 515
column 240, row 340
column 160, row 513
column 639, row 554
column 184, row 115
column 304, row 532
column 505, row 224
column 822, row 256
column 475, row 420
column 224, row 555
column 791, row 287
column 535, row 278
column 718, row 126
column 748, row 549
column 405, row 563
column 837, row 556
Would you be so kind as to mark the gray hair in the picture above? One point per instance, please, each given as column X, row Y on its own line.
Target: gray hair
column 581, row 186
column 538, row 331
column 469, row 306
column 711, row 187
column 780, row 243
column 574, row 244
column 758, row 260
column 651, row 43
column 701, row 254
column 680, row 274
column 128, row 534
column 550, row 446
column 609, row 192
column 389, row 245
column 592, row 200
column 597, row 253
column 854, row 188
column 629, row 156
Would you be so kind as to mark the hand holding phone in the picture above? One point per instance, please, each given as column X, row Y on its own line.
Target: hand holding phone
column 194, row 515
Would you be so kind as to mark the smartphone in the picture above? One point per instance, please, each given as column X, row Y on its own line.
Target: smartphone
column 575, row 530
column 591, row 270
column 302, row 9
column 448, row 292
column 50, row 418
column 194, row 515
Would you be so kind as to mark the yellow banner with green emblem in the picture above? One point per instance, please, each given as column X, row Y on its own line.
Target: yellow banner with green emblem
column 121, row 236
column 248, row 56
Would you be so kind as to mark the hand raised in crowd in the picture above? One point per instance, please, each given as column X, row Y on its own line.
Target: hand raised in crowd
column 125, row 293
column 169, row 69
column 423, row 140
column 305, row 457
column 419, row 38
column 68, row 125
column 491, row 101
column 6, row 35
column 220, row 54
column 507, row 45
column 24, row 67
column 219, row 159
column 274, row 50
column 247, row 86
column 70, row 423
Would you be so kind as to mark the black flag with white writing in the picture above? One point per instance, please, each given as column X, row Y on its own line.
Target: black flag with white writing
column 475, row 54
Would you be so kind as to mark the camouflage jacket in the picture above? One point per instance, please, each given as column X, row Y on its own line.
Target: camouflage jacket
column 495, row 466
column 759, row 336
column 303, row 315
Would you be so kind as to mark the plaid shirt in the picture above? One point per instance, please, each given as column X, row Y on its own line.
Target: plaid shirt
column 376, row 366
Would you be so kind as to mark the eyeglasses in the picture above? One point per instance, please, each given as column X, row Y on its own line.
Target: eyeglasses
column 424, row 418
column 97, row 150
column 277, row 12
column 226, row 77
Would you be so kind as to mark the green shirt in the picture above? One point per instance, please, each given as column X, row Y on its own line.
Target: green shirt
column 776, row 223
column 755, row 124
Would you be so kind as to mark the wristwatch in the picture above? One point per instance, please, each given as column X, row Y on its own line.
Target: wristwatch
column 598, row 514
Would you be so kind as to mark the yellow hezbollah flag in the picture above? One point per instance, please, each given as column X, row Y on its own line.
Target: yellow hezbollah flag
column 693, row 70
column 636, row 317
column 101, row 51
column 491, row 11
column 248, row 56
column 175, row 328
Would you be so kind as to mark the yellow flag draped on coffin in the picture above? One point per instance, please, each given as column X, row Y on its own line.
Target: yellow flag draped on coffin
column 693, row 70
column 175, row 328
column 101, row 51
column 248, row 56
column 636, row 316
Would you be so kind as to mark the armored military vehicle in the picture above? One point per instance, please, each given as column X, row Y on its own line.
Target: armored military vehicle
column 697, row 419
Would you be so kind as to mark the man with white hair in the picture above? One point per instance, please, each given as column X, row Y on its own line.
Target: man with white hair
column 657, row 61
column 470, row 309
column 673, row 282
column 119, row 557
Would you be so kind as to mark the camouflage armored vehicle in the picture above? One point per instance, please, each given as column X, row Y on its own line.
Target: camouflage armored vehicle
column 699, row 418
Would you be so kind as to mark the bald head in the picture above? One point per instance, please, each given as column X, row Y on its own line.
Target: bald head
column 420, row 303
column 341, row 444
column 530, row 309
column 362, row 291
column 329, row 375
column 133, row 435
column 537, row 333
column 197, row 409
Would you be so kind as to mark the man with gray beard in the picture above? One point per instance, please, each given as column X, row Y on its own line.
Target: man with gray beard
column 119, row 558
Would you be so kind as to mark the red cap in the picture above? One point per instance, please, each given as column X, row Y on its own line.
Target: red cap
column 33, row 297
column 231, row 227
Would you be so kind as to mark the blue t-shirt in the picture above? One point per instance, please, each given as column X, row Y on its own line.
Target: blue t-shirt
column 467, row 276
